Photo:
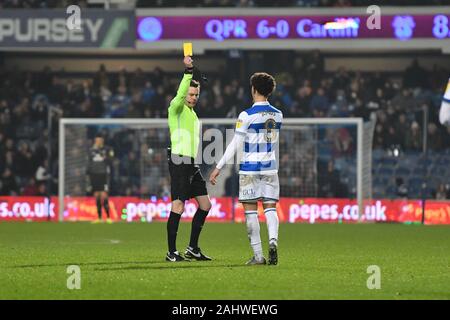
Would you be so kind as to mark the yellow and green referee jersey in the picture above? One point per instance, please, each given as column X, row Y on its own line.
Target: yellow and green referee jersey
column 183, row 122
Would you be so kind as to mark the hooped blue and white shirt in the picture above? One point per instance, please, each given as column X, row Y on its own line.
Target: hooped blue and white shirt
column 447, row 93
column 261, row 126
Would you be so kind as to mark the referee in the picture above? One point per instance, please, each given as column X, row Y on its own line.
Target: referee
column 100, row 158
column 186, row 179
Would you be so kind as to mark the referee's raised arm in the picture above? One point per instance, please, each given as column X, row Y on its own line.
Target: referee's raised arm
column 177, row 103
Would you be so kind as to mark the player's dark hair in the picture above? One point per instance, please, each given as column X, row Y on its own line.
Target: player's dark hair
column 195, row 84
column 263, row 83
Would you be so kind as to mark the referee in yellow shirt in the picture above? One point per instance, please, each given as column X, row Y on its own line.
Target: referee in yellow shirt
column 186, row 179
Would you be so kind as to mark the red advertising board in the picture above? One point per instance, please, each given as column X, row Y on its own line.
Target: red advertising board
column 291, row 210
column 437, row 212
column 145, row 210
column 313, row 210
column 27, row 208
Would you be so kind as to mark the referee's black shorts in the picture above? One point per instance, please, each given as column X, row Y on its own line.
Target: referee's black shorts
column 186, row 180
column 99, row 182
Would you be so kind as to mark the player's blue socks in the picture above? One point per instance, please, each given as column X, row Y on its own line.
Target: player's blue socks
column 172, row 230
column 197, row 224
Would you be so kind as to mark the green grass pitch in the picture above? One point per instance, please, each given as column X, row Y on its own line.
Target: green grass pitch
column 126, row 261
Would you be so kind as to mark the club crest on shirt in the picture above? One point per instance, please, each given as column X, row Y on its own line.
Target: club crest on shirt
column 270, row 126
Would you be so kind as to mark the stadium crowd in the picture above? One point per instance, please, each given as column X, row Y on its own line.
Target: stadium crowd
column 224, row 3
column 304, row 89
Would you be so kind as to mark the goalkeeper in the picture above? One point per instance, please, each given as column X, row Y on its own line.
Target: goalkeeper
column 186, row 179
column 100, row 158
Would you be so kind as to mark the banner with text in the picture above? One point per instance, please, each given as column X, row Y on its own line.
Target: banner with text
column 95, row 28
column 225, row 209
column 402, row 27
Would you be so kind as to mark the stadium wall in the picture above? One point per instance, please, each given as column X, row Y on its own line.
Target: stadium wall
column 80, row 63
column 380, row 62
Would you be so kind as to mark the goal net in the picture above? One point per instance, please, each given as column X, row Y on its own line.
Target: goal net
column 318, row 158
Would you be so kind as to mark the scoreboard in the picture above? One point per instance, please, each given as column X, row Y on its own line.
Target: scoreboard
column 398, row 27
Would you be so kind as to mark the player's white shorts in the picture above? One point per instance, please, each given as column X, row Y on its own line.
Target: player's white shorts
column 259, row 187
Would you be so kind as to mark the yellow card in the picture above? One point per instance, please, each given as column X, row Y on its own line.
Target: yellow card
column 187, row 47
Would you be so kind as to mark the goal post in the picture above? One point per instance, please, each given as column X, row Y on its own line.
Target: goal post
column 302, row 138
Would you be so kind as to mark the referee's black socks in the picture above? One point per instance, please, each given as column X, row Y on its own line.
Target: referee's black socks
column 172, row 229
column 197, row 224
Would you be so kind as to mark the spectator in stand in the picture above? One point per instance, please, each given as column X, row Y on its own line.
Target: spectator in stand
column 415, row 76
column 434, row 137
column 23, row 164
column 39, row 109
column 379, row 137
column 404, row 101
column 343, row 143
column 301, row 103
column 8, row 183
column 31, row 188
column 442, row 192
column 401, row 127
column 329, row 182
column 42, row 190
column 393, row 139
column 340, row 107
column 401, row 188
column 314, row 66
column 138, row 80
column 341, row 79
column 319, row 104
column 2, row 148
column 101, row 78
column 413, row 138
column 42, row 174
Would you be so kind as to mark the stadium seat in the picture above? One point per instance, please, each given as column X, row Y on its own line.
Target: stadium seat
column 377, row 154
column 386, row 171
column 380, row 181
column 408, row 161
column 391, row 191
column 443, row 161
column 427, row 162
column 389, row 162
column 439, row 170
column 402, row 171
